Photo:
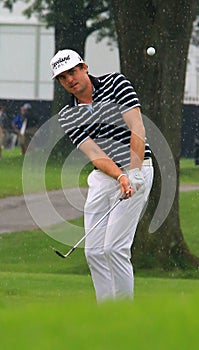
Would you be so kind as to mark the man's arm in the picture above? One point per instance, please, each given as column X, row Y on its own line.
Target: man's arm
column 102, row 162
column 99, row 158
column 133, row 119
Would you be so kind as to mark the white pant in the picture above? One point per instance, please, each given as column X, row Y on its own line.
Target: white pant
column 108, row 247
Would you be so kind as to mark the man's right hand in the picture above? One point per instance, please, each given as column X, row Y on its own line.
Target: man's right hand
column 125, row 186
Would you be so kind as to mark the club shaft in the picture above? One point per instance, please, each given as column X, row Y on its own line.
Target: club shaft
column 92, row 228
column 96, row 224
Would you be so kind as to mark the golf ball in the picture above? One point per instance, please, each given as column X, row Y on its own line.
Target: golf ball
column 150, row 51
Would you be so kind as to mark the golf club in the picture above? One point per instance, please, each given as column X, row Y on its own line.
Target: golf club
column 92, row 228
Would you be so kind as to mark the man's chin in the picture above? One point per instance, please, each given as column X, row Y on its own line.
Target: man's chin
column 75, row 88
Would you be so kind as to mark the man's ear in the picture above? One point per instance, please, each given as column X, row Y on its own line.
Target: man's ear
column 85, row 67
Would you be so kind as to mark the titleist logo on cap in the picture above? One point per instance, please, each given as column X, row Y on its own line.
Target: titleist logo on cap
column 60, row 61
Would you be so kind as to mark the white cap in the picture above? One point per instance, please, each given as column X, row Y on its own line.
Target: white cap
column 64, row 60
column 27, row 106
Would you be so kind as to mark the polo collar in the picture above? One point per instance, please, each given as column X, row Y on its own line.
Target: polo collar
column 96, row 84
column 95, row 81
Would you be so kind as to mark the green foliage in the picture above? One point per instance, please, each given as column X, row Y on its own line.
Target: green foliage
column 9, row 3
column 94, row 15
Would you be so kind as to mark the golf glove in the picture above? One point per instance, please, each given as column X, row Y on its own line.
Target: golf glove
column 136, row 177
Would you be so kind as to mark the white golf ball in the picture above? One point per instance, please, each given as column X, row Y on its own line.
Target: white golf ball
column 150, row 51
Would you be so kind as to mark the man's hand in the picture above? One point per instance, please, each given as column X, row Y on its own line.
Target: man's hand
column 131, row 184
column 137, row 179
column 125, row 186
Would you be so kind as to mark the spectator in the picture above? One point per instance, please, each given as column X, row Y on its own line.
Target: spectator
column 25, row 125
column 4, row 135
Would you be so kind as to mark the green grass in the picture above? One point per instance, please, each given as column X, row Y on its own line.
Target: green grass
column 189, row 204
column 164, row 315
column 11, row 174
column 189, row 172
column 30, row 251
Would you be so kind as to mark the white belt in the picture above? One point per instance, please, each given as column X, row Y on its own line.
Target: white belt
column 147, row 162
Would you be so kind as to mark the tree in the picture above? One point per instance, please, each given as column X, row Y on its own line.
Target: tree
column 159, row 81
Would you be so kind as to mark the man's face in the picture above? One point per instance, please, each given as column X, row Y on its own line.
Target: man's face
column 75, row 80
column 23, row 110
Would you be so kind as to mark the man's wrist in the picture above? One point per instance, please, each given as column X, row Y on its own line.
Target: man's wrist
column 119, row 177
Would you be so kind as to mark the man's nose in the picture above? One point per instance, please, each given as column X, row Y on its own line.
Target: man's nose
column 69, row 79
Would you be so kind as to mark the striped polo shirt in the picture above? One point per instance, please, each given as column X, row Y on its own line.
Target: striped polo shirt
column 102, row 121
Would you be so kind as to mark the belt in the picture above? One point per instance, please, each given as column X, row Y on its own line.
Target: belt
column 147, row 162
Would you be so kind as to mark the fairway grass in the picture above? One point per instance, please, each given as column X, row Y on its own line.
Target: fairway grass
column 164, row 315
column 19, row 288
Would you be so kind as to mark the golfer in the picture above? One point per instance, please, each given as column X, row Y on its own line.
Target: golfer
column 104, row 121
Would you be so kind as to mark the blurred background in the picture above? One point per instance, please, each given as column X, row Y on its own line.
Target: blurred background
column 26, row 46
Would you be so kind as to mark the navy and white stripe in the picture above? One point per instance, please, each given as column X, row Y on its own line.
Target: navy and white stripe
column 113, row 95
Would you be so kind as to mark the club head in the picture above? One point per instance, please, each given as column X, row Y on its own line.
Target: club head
column 58, row 253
